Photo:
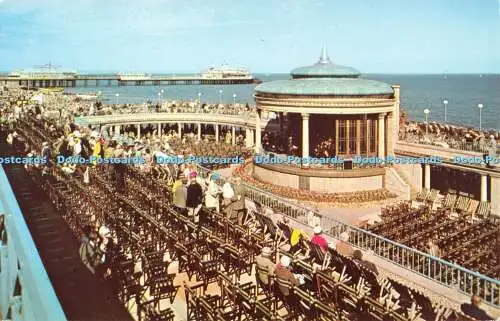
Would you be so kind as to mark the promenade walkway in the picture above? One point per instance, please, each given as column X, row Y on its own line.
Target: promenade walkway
column 82, row 296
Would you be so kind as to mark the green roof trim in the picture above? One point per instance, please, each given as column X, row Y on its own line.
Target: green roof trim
column 325, row 86
column 325, row 70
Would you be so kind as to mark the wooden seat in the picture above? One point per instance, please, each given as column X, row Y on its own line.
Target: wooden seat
column 449, row 200
column 462, row 203
column 483, row 210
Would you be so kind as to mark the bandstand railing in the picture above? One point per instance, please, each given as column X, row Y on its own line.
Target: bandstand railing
column 445, row 273
column 26, row 292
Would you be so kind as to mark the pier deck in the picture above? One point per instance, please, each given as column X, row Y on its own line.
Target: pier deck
column 96, row 80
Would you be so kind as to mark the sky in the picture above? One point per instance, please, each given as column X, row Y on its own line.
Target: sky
column 186, row 36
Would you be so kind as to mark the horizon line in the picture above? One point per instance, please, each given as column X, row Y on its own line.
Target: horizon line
column 282, row 73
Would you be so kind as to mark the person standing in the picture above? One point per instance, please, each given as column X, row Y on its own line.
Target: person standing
column 194, row 197
column 227, row 197
column 238, row 206
column 213, row 193
column 179, row 196
column 47, row 155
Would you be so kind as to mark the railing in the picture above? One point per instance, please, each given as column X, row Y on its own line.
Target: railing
column 443, row 272
column 475, row 146
column 26, row 292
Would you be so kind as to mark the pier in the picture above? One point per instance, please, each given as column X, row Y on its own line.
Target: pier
column 115, row 80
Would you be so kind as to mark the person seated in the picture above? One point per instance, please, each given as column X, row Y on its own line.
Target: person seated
column 283, row 272
column 318, row 239
column 296, row 240
column 343, row 247
column 357, row 257
column 264, row 262
column 473, row 310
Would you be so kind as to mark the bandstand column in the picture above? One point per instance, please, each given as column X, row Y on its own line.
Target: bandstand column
column 390, row 137
column 305, row 135
column 159, row 129
column 258, row 138
column 248, row 137
column 216, row 133
column 233, row 136
column 282, row 123
column 138, row 130
column 199, row 131
column 427, row 176
column 484, row 188
column 381, row 135
column 179, row 129
column 117, row 130
column 395, row 118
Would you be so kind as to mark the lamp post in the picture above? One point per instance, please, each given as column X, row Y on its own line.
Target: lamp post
column 116, row 98
column 426, row 112
column 199, row 98
column 480, row 106
column 99, row 93
column 159, row 97
column 220, row 96
column 234, row 99
column 445, row 102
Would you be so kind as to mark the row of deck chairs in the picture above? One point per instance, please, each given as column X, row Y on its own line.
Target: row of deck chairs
column 461, row 203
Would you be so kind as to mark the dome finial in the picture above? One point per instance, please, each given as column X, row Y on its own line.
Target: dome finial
column 324, row 56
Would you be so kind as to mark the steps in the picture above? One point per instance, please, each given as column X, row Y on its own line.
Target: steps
column 402, row 174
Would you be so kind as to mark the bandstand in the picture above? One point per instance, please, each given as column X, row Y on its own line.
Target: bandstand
column 330, row 112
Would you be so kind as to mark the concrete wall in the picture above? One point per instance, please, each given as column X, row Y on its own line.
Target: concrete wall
column 413, row 174
column 347, row 184
column 395, row 184
column 276, row 178
column 320, row 184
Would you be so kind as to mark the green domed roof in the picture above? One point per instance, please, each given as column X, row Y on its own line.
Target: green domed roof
column 324, row 68
column 326, row 87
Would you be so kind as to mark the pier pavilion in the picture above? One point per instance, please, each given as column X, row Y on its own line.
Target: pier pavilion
column 326, row 101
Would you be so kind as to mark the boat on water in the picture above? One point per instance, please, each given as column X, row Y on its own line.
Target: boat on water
column 225, row 72
column 86, row 96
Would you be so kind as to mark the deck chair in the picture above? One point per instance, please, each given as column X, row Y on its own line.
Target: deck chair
column 483, row 210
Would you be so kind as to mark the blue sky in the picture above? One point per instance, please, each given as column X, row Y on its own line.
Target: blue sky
column 375, row 36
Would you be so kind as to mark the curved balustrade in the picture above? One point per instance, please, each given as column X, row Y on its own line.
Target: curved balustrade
column 26, row 292
column 119, row 119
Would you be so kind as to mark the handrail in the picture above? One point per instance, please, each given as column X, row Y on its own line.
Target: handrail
column 434, row 268
column 20, row 260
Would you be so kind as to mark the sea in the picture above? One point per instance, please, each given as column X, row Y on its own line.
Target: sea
column 418, row 92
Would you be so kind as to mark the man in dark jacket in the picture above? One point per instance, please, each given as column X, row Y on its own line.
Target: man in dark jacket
column 194, row 197
column 473, row 310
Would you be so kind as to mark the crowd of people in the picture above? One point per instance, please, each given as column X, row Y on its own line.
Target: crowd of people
column 451, row 136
